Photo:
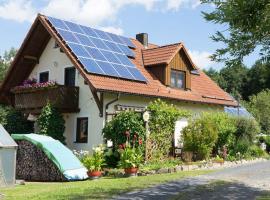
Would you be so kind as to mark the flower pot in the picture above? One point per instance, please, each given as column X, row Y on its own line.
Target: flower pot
column 131, row 171
column 94, row 174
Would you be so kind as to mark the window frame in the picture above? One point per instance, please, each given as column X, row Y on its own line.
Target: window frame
column 184, row 81
column 78, row 123
column 43, row 72
column 66, row 68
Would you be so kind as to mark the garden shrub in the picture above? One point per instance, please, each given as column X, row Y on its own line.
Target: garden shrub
column 14, row 121
column 245, row 134
column 226, row 128
column 51, row 123
column 161, row 126
column 256, row 151
column 246, row 128
column 259, row 106
column 266, row 140
column 125, row 125
column 200, row 136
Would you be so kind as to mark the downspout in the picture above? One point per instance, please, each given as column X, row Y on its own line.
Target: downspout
column 109, row 103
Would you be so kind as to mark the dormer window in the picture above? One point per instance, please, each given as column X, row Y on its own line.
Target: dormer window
column 178, row 79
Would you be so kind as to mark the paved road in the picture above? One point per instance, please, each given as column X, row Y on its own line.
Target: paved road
column 244, row 182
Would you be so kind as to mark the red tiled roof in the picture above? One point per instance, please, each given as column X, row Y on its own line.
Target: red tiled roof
column 203, row 89
column 160, row 55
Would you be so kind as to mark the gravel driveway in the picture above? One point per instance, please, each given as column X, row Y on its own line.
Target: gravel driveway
column 243, row 182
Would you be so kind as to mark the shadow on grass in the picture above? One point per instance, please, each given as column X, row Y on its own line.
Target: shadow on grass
column 223, row 190
column 199, row 190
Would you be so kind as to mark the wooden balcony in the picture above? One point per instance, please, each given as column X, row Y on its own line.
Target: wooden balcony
column 64, row 98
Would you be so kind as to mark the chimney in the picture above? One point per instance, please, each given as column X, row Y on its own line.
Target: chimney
column 143, row 38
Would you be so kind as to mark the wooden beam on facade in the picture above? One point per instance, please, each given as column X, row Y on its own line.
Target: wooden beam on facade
column 31, row 58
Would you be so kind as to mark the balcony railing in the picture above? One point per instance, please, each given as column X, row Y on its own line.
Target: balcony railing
column 64, row 98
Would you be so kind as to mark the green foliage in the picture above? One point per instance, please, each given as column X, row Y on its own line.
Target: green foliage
column 241, row 81
column 258, row 79
column 96, row 161
column 125, row 124
column 266, row 140
column 246, row 128
column 256, row 151
column 225, row 126
column 161, row 125
column 156, row 165
column 14, row 121
column 200, row 136
column 130, row 157
column 245, row 134
column 111, row 158
column 259, row 106
column 5, row 61
column 51, row 123
column 247, row 24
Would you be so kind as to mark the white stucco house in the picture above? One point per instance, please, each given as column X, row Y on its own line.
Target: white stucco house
column 92, row 89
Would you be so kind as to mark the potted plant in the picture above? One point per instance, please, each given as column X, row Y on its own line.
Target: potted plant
column 95, row 162
column 130, row 160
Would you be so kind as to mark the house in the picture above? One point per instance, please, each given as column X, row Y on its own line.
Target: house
column 100, row 74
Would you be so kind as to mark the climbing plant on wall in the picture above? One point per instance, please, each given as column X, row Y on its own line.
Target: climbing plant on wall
column 161, row 126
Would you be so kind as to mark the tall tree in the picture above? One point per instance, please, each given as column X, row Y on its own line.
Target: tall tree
column 248, row 27
column 5, row 61
column 258, row 79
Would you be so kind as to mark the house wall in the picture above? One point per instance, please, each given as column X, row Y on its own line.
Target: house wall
column 54, row 61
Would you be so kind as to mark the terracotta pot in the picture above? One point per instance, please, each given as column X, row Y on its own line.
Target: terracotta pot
column 131, row 171
column 94, row 174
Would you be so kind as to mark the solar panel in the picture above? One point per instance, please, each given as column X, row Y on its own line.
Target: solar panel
column 78, row 50
column 123, row 71
column 95, row 53
column 67, row 36
column 91, row 65
column 127, row 41
column 107, row 68
column 126, row 51
column 99, row 52
column 136, row 74
column 84, row 40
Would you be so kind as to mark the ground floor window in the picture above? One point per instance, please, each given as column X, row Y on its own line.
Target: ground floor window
column 82, row 130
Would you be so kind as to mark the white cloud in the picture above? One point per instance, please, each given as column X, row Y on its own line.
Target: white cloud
column 112, row 29
column 17, row 10
column 90, row 12
column 175, row 5
column 201, row 59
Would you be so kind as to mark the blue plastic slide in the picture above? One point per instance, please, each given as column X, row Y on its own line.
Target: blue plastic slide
column 59, row 154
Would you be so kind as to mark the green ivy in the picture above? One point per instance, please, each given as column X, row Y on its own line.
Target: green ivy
column 51, row 123
column 161, row 126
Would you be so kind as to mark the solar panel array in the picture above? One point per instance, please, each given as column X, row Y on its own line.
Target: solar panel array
column 241, row 111
column 99, row 52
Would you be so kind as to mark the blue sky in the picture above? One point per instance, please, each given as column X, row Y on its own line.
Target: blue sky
column 166, row 21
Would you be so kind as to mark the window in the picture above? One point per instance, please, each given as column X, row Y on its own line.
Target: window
column 82, row 130
column 44, row 77
column 178, row 79
column 70, row 73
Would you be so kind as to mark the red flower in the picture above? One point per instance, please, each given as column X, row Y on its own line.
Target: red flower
column 124, row 145
column 140, row 141
column 120, row 146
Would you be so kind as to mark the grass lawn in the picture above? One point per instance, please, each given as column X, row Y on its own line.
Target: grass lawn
column 98, row 189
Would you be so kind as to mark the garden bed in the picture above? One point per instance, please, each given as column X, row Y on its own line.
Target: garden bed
column 185, row 167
